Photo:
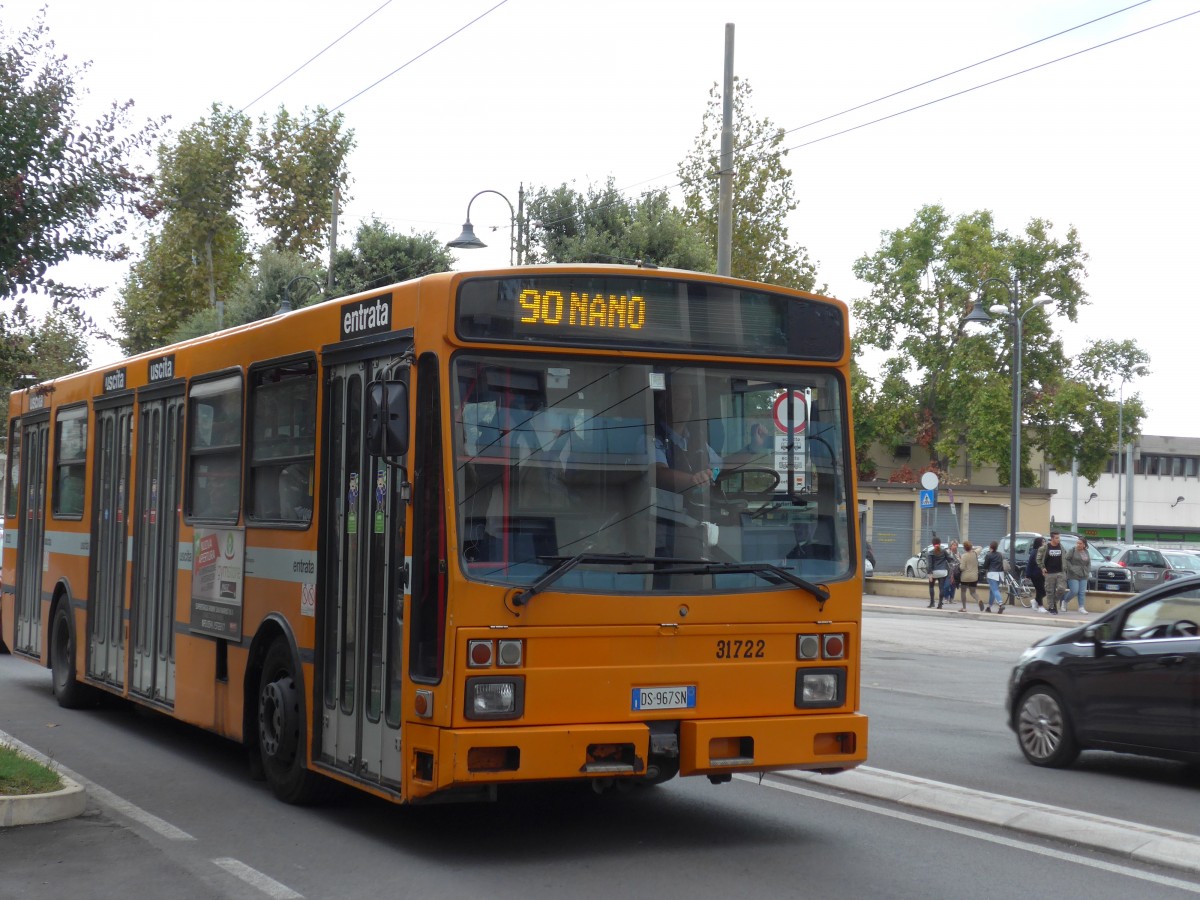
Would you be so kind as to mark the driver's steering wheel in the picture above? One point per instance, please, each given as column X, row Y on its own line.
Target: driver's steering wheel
column 1184, row 628
column 751, row 470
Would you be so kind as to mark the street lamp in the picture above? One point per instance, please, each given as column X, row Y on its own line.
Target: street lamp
column 468, row 241
column 286, row 305
column 1017, row 316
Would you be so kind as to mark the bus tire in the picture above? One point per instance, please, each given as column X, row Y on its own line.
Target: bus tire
column 281, row 731
column 68, row 691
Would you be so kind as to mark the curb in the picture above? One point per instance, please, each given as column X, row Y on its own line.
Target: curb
column 1026, row 617
column 1143, row 843
column 37, row 809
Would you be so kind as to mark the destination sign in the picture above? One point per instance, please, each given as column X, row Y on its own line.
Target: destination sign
column 669, row 313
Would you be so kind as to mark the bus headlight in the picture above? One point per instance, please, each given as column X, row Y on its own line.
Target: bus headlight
column 495, row 698
column 820, row 687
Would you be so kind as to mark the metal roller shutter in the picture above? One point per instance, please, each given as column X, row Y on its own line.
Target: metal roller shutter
column 892, row 534
column 988, row 523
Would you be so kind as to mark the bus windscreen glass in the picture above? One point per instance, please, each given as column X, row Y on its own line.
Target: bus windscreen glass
column 652, row 312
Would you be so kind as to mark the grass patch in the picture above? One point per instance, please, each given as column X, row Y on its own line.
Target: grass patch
column 21, row 775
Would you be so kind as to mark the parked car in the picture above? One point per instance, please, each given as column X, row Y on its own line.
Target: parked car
column 1125, row 682
column 916, row 566
column 1024, row 541
column 1182, row 562
column 1148, row 565
column 868, row 568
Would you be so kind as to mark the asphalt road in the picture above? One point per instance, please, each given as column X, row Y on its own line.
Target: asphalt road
column 173, row 813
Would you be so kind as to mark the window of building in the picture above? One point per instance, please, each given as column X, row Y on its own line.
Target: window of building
column 70, row 462
column 215, row 449
column 283, row 433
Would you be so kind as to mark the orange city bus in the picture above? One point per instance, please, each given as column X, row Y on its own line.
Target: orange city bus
column 544, row 523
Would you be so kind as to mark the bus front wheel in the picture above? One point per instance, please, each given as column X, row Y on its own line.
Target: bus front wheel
column 281, row 728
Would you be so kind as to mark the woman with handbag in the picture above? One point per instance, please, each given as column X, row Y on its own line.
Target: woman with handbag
column 1035, row 574
column 968, row 575
column 939, row 570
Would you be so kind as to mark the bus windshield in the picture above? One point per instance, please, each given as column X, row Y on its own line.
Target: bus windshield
column 673, row 465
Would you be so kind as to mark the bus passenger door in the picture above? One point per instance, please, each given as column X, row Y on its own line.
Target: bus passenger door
column 156, row 553
column 110, row 535
column 31, row 547
column 363, row 589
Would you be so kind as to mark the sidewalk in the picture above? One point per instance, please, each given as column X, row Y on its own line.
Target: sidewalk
column 920, row 606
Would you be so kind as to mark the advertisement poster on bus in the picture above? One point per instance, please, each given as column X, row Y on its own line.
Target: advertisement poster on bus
column 789, row 410
column 218, row 574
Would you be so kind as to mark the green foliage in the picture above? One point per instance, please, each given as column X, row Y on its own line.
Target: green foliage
column 604, row 226
column 66, row 188
column 40, row 350
column 301, row 161
column 763, row 195
column 948, row 386
column 381, row 256
column 201, row 251
column 259, row 294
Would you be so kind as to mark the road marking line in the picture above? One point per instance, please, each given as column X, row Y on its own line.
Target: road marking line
column 257, row 879
column 106, row 797
column 956, row 828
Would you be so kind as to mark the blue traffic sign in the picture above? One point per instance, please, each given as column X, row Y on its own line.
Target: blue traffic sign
column 928, row 499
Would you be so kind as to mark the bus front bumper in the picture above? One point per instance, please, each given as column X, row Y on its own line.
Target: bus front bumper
column 716, row 747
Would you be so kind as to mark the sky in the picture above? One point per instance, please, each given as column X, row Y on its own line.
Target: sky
column 447, row 100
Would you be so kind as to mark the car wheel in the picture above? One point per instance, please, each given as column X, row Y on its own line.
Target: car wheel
column 910, row 573
column 1044, row 728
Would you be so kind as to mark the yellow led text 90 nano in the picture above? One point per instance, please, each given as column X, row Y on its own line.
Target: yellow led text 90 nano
column 583, row 310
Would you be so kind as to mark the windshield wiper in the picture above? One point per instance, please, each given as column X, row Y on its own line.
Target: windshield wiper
column 668, row 565
column 564, row 564
column 767, row 571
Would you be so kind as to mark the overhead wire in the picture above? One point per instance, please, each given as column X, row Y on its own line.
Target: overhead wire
column 686, row 181
column 312, row 59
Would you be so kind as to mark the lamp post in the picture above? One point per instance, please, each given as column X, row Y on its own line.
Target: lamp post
column 516, row 243
column 1017, row 316
column 286, row 305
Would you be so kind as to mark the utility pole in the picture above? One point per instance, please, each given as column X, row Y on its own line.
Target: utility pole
column 725, row 201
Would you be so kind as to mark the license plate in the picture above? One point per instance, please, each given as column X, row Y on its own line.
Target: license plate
column 1146, row 575
column 664, row 698
column 1112, row 587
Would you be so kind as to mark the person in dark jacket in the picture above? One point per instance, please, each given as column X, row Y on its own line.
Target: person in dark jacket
column 939, row 571
column 993, row 565
column 1035, row 574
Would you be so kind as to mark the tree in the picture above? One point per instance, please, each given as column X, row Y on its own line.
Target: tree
column 66, row 188
column 34, row 351
column 763, row 195
column 259, row 294
column 381, row 256
column 604, row 226
column 301, row 162
column 949, row 388
column 201, row 250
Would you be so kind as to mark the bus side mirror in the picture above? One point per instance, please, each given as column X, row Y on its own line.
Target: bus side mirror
column 387, row 418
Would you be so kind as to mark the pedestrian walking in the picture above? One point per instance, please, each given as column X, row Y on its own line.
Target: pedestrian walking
column 968, row 574
column 993, row 565
column 1077, row 565
column 939, row 571
column 1050, row 560
column 950, row 585
column 1033, row 572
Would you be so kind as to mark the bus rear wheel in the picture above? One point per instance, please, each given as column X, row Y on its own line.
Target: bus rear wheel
column 68, row 691
column 281, row 731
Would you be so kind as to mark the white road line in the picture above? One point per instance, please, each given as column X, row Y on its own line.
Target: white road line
column 257, row 879
column 106, row 797
column 956, row 828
